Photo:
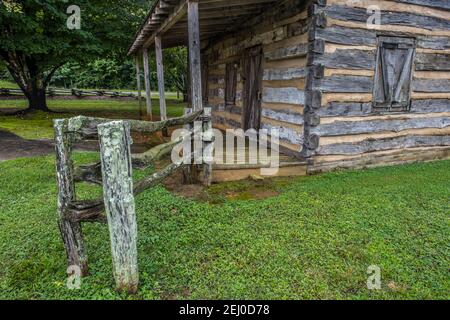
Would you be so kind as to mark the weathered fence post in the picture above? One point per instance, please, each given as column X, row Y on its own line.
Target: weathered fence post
column 70, row 231
column 115, row 141
column 208, row 147
column 188, row 177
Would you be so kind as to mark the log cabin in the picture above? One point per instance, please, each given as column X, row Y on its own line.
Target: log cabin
column 347, row 84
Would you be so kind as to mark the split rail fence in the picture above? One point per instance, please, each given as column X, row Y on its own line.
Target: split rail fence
column 73, row 92
column 114, row 172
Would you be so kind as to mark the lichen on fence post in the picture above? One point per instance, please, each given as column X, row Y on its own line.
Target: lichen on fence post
column 188, row 177
column 71, row 232
column 208, row 147
column 115, row 150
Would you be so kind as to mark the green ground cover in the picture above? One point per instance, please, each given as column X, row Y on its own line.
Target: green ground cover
column 39, row 125
column 315, row 240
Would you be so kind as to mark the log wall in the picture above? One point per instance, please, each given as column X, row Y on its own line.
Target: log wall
column 283, row 34
column 341, row 122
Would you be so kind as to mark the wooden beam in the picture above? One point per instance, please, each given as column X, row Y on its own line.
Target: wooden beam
column 178, row 13
column 194, row 55
column 138, row 80
column 160, row 71
column 147, row 83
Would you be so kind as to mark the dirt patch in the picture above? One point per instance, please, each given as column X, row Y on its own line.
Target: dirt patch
column 13, row 147
column 219, row 193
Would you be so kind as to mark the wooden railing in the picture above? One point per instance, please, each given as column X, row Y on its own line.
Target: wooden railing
column 114, row 173
column 72, row 92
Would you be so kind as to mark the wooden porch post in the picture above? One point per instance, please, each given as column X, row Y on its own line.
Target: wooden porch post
column 147, row 83
column 138, row 80
column 195, row 67
column 160, row 70
column 194, row 56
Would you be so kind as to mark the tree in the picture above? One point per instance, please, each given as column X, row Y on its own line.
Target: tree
column 175, row 60
column 35, row 40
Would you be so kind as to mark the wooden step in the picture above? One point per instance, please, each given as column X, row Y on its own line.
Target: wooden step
column 226, row 173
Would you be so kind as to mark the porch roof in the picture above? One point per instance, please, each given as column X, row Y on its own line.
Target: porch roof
column 168, row 19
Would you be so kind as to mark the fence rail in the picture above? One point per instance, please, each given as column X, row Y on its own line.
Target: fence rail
column 73, row 92
column 114, row 173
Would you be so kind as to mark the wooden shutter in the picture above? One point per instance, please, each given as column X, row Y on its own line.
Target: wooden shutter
column 252, row 67
column 230, row 84
column 393, row 75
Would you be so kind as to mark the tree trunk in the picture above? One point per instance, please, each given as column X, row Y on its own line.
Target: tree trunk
column 31, row 79
column 37, row 99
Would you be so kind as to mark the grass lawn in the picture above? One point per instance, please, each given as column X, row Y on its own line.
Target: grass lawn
column 315, row 240
column 8, row 84
column 39, row 124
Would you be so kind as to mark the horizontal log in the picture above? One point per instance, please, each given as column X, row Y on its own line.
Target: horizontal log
column 283, row 95
column 347, row 59
column 432, row 62
column 389, row 5
column 233, row 109
column 284, row 74
column 91, row 173
column 156, row 178
column 292, row 51
column 284, row 134
column 383, row 144
column 286, row 116
column 334, row 109
column 93, row 210
column 296, row 83
column 431, row 85
column 430, row 105
column 229, row 123
column 86, row 127
column 396, row 125
column 324, row 141
column 341, row 84
column 437, row 43
column 218, row 92
column 278, row 123
column 348, row 36
column 376, row 159
column 365, row 37
column 405, row 18
column 440, row 4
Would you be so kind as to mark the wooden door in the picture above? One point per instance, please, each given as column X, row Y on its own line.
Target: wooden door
column 252, row 73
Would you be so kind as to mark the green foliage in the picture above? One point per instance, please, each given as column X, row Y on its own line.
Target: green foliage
column 99, row 74
column 38, row 29
column 313, row 241
column 175, row 64
column 120, row 72
column 35, row 40
column 93, row 57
